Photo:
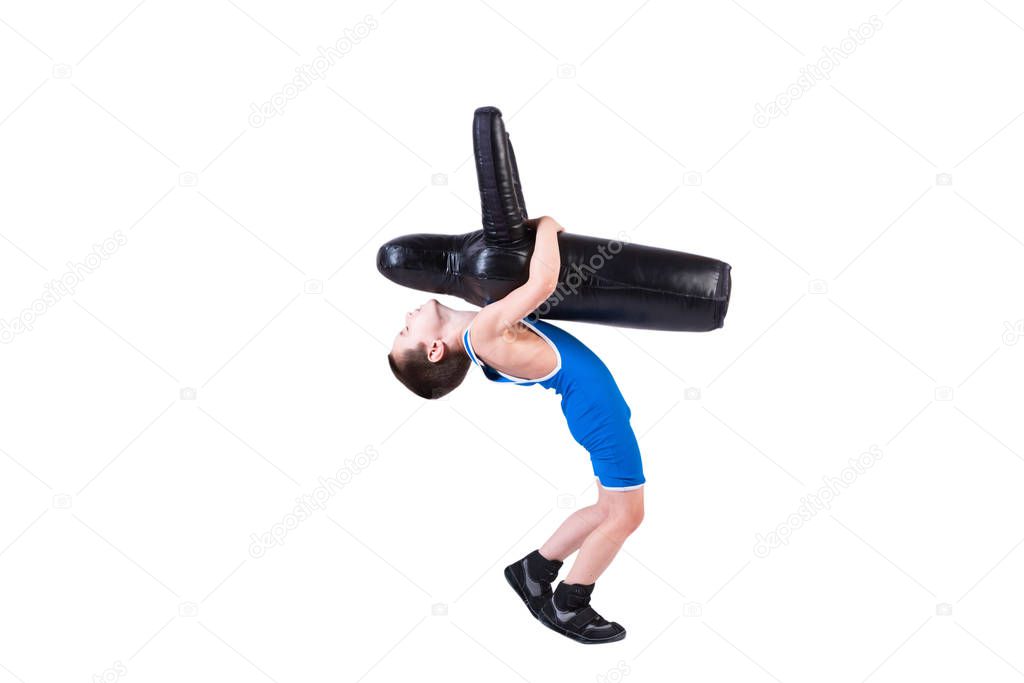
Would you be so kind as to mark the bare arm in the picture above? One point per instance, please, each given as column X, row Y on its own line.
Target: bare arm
column 545, row 261
column 494, row 319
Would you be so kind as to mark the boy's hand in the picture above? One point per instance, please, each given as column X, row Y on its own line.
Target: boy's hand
column 544, row 222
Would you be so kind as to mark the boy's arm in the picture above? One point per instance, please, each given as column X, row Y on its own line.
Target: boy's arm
column 495, row 318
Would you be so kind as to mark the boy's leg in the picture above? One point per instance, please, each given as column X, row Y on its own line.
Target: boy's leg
column 622, row 512
column 568, row 538
column 568, row 611
column 532, row 575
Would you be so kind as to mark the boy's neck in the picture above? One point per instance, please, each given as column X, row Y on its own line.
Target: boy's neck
column 455, row 322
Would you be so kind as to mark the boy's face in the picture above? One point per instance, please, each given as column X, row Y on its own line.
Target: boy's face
column 422, row 325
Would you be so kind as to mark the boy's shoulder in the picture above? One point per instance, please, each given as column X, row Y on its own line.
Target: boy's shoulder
column 520, row 343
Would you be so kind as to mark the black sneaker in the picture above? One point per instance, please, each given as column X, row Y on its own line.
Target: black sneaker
column 579, row 621
column 533, row 588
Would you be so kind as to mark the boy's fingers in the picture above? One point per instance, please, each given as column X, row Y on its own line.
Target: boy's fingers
column 501, row 194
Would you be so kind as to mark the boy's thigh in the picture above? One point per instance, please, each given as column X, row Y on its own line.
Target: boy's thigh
column 616, row 461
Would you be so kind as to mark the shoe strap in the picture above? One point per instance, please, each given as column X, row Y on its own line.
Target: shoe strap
column 585, row 616
column 548, row 574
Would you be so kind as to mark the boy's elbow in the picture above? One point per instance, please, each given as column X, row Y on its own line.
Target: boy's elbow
column 545, row 285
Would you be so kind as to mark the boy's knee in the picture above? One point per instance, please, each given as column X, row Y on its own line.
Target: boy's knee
column 627, row 520
column 635, row 517
column 595, row 514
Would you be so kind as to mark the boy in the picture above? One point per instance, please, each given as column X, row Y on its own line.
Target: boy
column 431, row 356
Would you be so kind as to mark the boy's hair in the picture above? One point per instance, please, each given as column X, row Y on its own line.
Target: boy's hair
column 429, row 380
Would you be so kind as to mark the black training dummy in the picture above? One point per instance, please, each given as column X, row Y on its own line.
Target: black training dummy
column 601, row 280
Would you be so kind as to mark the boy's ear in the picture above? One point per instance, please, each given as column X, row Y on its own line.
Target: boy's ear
column 436, row 351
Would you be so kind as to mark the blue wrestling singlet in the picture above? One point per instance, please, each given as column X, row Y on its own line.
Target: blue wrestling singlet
column 594, row 408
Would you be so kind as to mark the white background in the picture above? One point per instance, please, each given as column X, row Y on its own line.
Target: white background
column 873, row 306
